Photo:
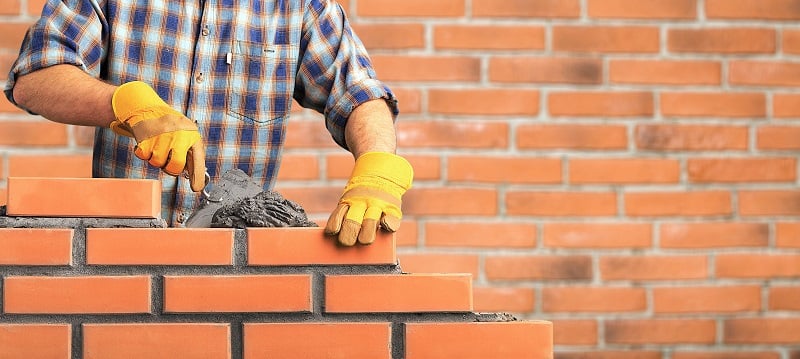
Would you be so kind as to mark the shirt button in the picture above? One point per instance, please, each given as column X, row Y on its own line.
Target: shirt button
column 181, row 218
column 200, row 78
column 205, row 30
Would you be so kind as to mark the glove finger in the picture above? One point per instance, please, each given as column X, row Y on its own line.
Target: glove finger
column 334, row 224
column 369, row 226
column 351, row 225
column 176, row 161
column 196, row 166
column 160, row 152
column 144, row 150
column 390, row 223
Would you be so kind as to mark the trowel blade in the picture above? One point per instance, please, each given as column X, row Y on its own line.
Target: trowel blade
column 234, row 185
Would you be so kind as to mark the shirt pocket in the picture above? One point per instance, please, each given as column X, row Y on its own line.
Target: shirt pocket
column 260, row 81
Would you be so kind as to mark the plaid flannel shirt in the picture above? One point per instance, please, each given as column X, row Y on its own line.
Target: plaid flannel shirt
column 233, row 66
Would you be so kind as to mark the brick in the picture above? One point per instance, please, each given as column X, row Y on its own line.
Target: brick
column 697, row 104
column 298, row 167
column 704, row 300
column 452, row 134
column 691, row 137
column 575, row 332
column 734, row 265
column 84, row 197
column 769, row 202
column 76, row 295
column 530, row 339
column 488, row 37
column 439, row 263
column 503, row 169
column 790, row 41
column 521, row 69
column 649, row 268
column 13, row 33
column 35, row 341
column 241, row 293
column 32, row 133
column 504, row 299
column 606, row 39
column 413, row 8
column 35, row 246
column 391, row 36
column 633, row 9
column 763, row 73
column 12, row 7
column 752, row 9
column 498, row 267
column 416, row 68
column 35, row 6
column 6, row 61
column 713, row 235
column 593, row 299
column 785, row 105
column 761, row 331
column 408, row 235
column 561, row 203
column 3, row 196
column 75, row 166
column 578, row 137
column 159, row 246
column 722, row 40
column 624, row 171
column 665, row 72
column 526, row 9
column 611, row 354
column 725, row 355
column 784, row 298
column 601, row 104
column 306, row 134
column 157, row 341
column 409, row 99
column 320, row 200
column 736, row 170
column 477, row 234
column 787, row 235
column 692, row 203
column 83, row 136
column 317, row 340
column 661, row 331
column 398, row 293
column 483, row 101
column 597, row 235
column 450, row 201
column 310, row 246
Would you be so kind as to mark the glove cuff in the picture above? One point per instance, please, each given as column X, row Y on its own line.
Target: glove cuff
column 383, row 165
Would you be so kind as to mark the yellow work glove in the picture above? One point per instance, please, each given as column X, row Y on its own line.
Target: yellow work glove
column 372, row 196
column 165, row 138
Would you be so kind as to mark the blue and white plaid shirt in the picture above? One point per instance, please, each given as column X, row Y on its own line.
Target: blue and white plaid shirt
column 231, row 65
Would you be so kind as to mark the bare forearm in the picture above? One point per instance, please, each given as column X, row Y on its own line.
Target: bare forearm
column 370, row 129
column 66, row 94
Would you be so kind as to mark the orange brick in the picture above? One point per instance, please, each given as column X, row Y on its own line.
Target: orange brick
column 722, row 40
column 704, row 300
column 790, row 41
column 391, row 36
column 554, row 136
column 35, row 246
column 408, row 235
column 621, row 171
column 484, row 102
column 784, row 298
column 157, row 341
column 504, row 299
column 765, row 203
column 692, row 203
column 752, row 9
column 79, row 166
column 763, row 73
column 35, row 341
column 418, row 68
column 601, row 104
column 76, row 295
column 439, row 263
column 691, row 137
column 3, row 196
column 787, row 235
column 661, row 331
column 453, row 134
column 713, row 235
column 12, row 34
column 530, row 339
column 159, row 246
column 488, row 37
column 83, row 136
column 653, row 268
column 696, row 104
column 298, row 167
column 538, row 267
column 786, row 105
column 612, row 354
column 665, row 72
column 12, row 7
column 545, row 70
column 310, row 246
column 32, row 133
column 731, row 170
column 415, row 8
column 561, row 203
column 633, row 9
column 576, row 332
column 597, row 235
column 593, row 299
column 606, row 39
column 317, row 340
column 523, row 8
column 762, row 331
column 730, row 265
column 84, row 197
column 398, row 293
column 307, row 134
column 450, row 201
column 480, row 234
column 241, row 293
column 725, row 355
column 320, row 200
column 6, row 106
column 409, row 99
column 503, row 169
column 35, row 6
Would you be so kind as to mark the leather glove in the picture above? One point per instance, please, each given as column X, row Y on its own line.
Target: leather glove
column 165, row 138
column 371, row 197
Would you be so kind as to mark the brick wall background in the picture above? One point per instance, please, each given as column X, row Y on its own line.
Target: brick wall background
column 624, row 168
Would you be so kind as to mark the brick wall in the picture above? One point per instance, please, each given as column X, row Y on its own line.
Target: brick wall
column 624, row 168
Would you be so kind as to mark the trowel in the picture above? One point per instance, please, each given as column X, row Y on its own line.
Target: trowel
column 234, row 185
